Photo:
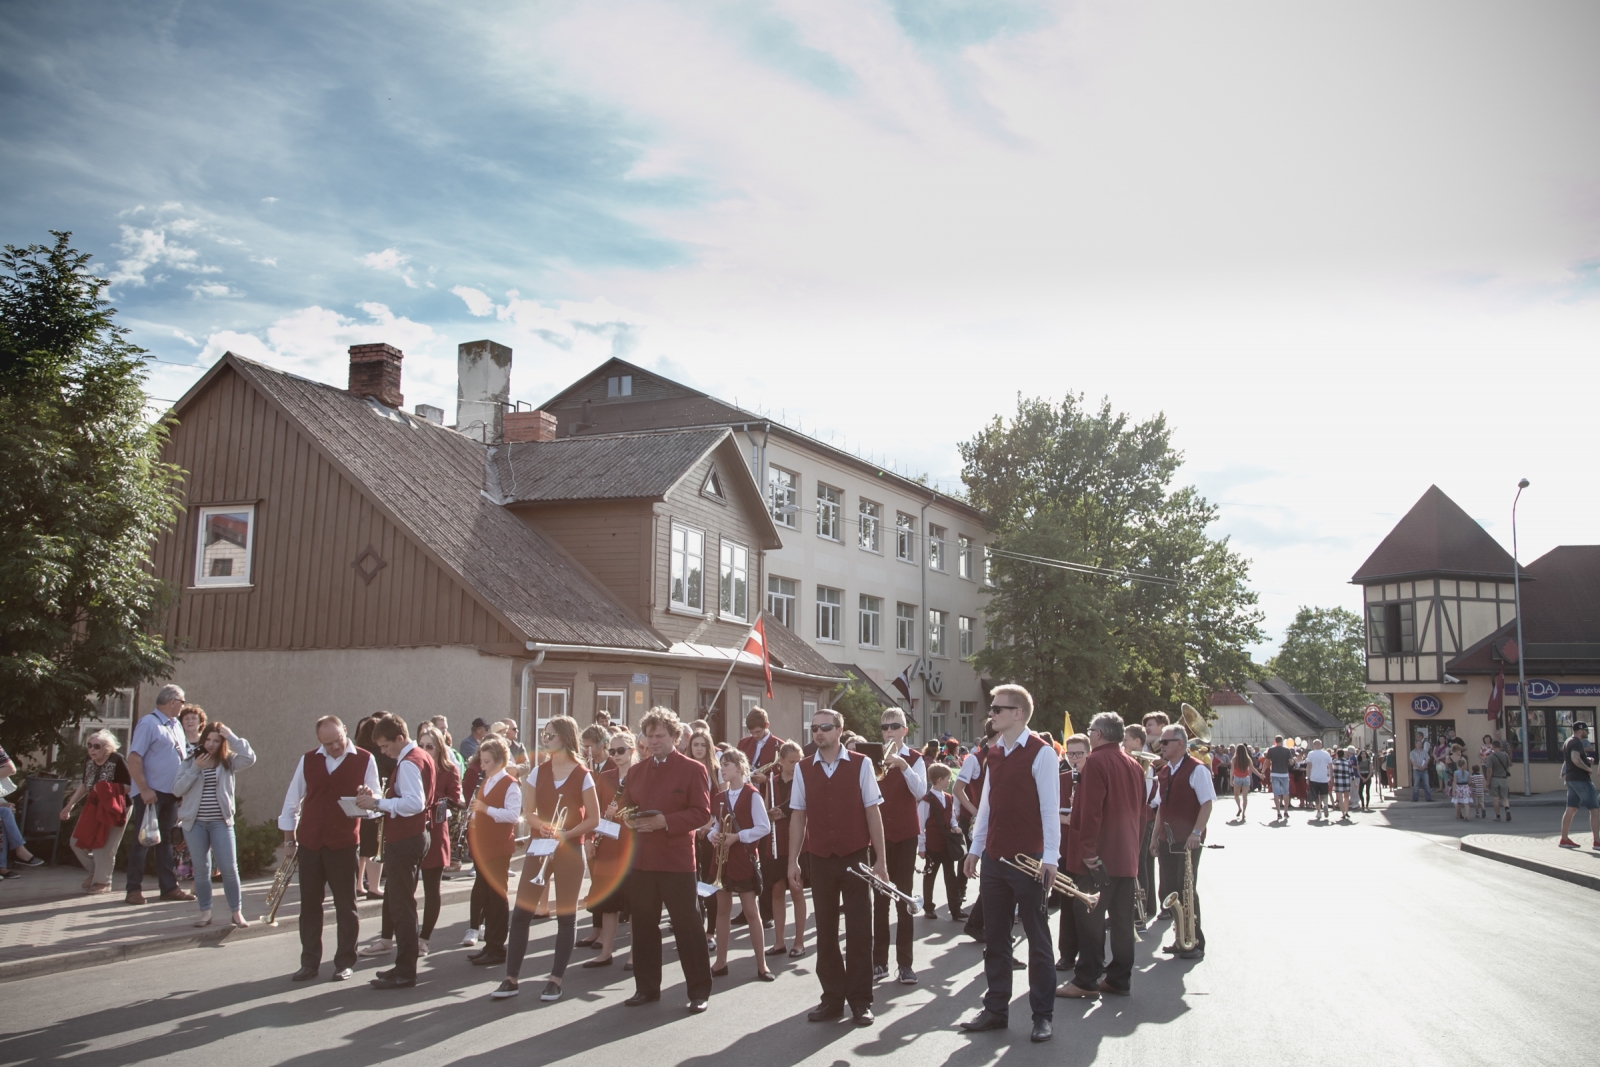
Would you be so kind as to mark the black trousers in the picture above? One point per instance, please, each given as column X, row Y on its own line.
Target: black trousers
column 167, row 818
column 901, row 859
column 324, row 871
column 1172, row 874
column 1147, row 872
column 1083, row 936
column 490, row 884
column 1006, row 892
column 401, row 860
column 648, row 892
column 955, row 886
column 846, row 976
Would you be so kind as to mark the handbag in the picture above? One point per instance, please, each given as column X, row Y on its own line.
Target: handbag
column 150, row 829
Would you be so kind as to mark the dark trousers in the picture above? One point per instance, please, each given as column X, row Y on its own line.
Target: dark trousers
column 167, row 817
column 1007, row 891
column 400, row 872
column 846, row 976
column 1147, row 873
column 1083, row 936
column 901, row 859
column 490, row 885
column 324, row 871
column 431, row 877
column 648, row 892
column 1172, row 874
column 955, row 886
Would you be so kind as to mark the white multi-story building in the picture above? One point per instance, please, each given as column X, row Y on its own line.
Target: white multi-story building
column 881, row 574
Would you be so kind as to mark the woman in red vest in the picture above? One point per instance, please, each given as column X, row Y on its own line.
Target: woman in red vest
column 446, row 797
column 781, row 785
column 491, row 833
column 740, row 873
column 609, row 859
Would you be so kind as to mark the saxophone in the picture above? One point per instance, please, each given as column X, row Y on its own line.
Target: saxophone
column 1184, row 934
column 280, row 886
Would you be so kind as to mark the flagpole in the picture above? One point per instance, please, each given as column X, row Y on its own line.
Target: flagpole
column 713, row 705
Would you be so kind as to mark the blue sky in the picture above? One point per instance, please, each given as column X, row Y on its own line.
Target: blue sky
column 1350, row 250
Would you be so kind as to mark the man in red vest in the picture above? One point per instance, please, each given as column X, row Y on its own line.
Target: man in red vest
column 905, row 782
column 1107, row 820
column 1186, row 797
column 406, row 806
column 760, row 747
column 1018, row 813
column 833, row 819
column 316, row 829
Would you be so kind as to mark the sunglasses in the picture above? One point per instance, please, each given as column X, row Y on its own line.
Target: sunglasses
column 1001, row 707
column 624, row 750
column 1172, row 740
column 823, row 727
column 95, row 747
column 547, row 737
column 887, row 726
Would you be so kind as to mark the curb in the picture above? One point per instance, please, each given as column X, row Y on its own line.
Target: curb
column 1589, row 881
column 54, row 963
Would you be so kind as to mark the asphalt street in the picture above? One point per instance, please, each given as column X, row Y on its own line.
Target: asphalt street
column 1376, row 942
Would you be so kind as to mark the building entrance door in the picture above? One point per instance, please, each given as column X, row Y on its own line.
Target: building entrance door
column 1435, row 730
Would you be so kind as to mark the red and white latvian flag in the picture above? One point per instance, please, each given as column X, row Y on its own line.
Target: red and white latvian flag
column 756, row 644
column 1497, row 697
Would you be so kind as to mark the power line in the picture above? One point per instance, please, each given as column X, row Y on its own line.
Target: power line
column 1085, row 568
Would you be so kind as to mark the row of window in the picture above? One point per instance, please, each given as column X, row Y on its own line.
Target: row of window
column 783, row 595
column 939, row 720
column 784, row 489
column 1548, row 730
column 686, row 580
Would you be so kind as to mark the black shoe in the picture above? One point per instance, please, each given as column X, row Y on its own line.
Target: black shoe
column 780, row 950
column 697, row 1007
column 394, row 981
column 1193, row 954
column 342, row 974
column 507, row 990
column 1164, row 913
column 591, row 964
column 588, row 942
column 1018, row 965
column 31, row 861
column 719, row 972
column 1170, row 950
column 985, row 1020
column 863, row 1017
column 304, row 974
column 880, row 971
column 487, row 959
column 642, row 998
column 766, row 924
column 824, row 1013
column 552, row 991
column 1063, row 964
column 958, row 916
column 1041, row 1030
column 738, row 920
column 907, row 976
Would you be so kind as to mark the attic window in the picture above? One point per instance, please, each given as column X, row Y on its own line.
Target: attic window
column 619, row 385
column 713, row 486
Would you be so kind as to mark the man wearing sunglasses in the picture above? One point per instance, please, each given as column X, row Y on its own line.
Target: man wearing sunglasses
column 905, row 782
column 1185, row 798
column 833, row 818
column 1019, row 812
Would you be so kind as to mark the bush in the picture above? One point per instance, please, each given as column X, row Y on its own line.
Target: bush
column 257, row 844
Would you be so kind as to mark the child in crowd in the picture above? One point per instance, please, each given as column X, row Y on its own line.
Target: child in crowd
column 1478, row 791
column 1461, row 788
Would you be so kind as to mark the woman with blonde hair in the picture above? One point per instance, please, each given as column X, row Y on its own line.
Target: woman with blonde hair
column 741, row 805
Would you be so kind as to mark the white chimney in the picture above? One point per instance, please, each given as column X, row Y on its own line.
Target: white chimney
column 483, row 389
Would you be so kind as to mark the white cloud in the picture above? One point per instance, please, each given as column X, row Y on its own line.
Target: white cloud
column 149, row 247
column 269, row 200
column 390, row 261
column 212, row 289
column 477, row 301
column 314, row 341
column 268, row 261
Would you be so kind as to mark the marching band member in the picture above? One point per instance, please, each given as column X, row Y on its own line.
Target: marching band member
column 1107, row 816
column 1184, row 801
column 941, row 829
column 491, row 838
column 969, row 790
column 676, row 793
column 761, row 747
column 447, row 795
column 406, row 805
column 775, row 855
column 608, row 859
column 325, row 839
column 560, row 781
column 905, row 781
column 1077, row 748
column 1134, row 744
column 593, row 742
column 1016, row 814
column 833, row 819
column 740, row 872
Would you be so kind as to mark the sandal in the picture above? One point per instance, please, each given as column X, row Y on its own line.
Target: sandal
column 796, row 952
column 240, row 921
column 200, row 923
column 766, row 976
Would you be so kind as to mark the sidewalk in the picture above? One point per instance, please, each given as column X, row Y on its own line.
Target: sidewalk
column 1541, row 854
column 48, row 924
column 1554, row 799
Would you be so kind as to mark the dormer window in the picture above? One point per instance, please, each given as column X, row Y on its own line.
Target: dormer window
column 619, row 385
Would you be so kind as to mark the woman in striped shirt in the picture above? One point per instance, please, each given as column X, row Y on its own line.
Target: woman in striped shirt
column 206, row 811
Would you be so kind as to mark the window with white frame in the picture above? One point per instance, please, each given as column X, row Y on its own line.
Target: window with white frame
column 548, row 703
column 830, row 609
column 964, row 636
column 964, row 557
column 784, row 489
column 969, row 715
column 733, row 592
column 871, row 621
column 113, row 711
column 828, row 501
column 936, row 547
column 905, row 537
column 938, row 717
column 688, row 568
column 905, row 627
column 871, row 533
column 619, row 385
column 937, row 621
column 614, row 703
column 808, row 709
column 781, row 595
column 223, row 549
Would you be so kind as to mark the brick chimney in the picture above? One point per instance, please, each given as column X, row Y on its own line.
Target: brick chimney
column 529, row 426
column 375, row 372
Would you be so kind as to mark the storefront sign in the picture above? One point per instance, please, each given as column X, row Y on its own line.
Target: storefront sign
column 1426, row 705
column 1545, row 689
column 1372, row 715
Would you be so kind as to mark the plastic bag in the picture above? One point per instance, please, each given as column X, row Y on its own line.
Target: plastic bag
column 150, row 829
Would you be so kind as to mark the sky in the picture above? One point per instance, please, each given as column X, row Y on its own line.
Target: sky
column 1349, row 250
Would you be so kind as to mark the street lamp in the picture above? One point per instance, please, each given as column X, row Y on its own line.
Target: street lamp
column 1522, row 674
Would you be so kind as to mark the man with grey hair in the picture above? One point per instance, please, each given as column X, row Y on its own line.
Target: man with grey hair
column 1185, row 797
column 154, row 756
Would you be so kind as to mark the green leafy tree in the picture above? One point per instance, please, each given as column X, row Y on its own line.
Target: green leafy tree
column 1091, row 488
column 860, row 706
column 83, row 496
column 1324, row 656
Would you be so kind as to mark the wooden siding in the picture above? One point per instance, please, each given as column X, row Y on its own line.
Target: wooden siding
column 311, row 524
column 610, row 540
column 645, row 387
column 730, row 518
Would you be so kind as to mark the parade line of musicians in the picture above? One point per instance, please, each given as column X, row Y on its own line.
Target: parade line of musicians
column 657, row 824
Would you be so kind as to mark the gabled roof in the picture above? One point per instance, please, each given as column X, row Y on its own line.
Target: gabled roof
column 1289, row 710
column 630, row 467
column 790, row 650
column 429, row 481
column 1561, row 619
column 1435, row 538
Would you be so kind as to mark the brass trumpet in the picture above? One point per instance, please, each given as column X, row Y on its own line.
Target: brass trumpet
column 886, row 889
column 1063, row 884
column 559, row 821
column 730, row 833
column 280, row 886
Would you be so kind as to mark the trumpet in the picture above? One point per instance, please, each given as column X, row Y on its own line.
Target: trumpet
column 767, row 768
column 1063, row 884
column 1149, row 759
column 280, row 886
column 886, row 889
column 624, row 814
column 559, row 820
column 730, row 831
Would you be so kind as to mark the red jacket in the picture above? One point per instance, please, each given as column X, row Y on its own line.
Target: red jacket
column 1107, row 813
column 105, row 806
column 678, row 788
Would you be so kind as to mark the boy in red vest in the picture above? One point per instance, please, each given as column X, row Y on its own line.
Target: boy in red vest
column 905, row 783
column 406, row 806
column 1186, row 799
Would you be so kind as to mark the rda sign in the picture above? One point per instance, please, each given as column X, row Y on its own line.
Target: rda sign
column 1426, row 704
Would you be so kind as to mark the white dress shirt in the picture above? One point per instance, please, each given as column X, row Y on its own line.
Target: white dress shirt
column 511, row 804
column 1046, row 781
column 289, row 817
column 760, row 826
column 923, row 807
column 916, row 774
column 870, row 794
column 970, row 769
column 533, row 779
column 412, row 798
column 1199, row 780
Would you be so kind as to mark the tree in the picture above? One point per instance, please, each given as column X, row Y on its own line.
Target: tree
column 860, row 706
column 1324, row 656
column 1161, row 615
column 83, row 497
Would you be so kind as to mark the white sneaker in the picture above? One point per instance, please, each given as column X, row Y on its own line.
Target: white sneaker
column 470, row 939
column 422, row 947
column 381, row 947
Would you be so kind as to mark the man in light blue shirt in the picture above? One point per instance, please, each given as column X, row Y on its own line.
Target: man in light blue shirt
column 154, row 756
